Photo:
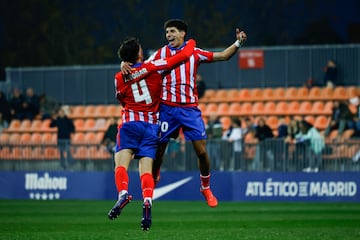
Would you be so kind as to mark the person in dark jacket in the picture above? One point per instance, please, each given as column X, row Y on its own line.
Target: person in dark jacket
column 65, row 128
column 109, row 139
column 264, row 154
column 341, row 118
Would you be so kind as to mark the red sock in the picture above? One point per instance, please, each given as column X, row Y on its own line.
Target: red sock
column 147, row 185
column 121, row 179
column 205, row 181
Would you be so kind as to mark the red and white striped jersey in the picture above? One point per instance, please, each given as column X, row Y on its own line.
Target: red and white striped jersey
column 139, row 92
column 179, row 84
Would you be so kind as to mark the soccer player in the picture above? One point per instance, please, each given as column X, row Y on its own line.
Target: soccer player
column 179, row 99
column 139, row 93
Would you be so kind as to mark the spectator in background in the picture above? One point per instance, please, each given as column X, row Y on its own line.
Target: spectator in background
column 214, row 131
column 292, row 130
column 330, row 77
column 250, row 127
column 5, row 107
column 356, row 124
column 48, row 106
column 282, row 128
column 109, row 139
column 3, row 123
column 201, row 85
column 263, row 150
column 31, row 105
column 313, row 144
column 341, row 118
column 16, row 104
column 234, row 136
column 65, row 128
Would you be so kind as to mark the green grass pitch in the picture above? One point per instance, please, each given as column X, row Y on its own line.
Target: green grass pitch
column 21, row 219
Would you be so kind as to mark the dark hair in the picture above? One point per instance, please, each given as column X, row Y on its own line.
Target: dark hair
column 177, row 23
column 129, row 50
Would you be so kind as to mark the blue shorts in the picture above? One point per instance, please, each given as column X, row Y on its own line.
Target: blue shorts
column 189, row 119
column 141, row 137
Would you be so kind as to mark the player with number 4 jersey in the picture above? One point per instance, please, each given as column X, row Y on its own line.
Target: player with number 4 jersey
column 139, row 93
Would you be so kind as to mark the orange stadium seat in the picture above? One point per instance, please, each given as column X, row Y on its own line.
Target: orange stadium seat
column 279, row 94
column 78, row 138
column 99, row 136
column 246, row 109
column 352, row 92
column 45, row 126
column 234, row 109
column 244, row 95
column 268, row 94
column 221, row 95
column 89, row 124
column 210, row 109
column 25, row 138
column 100, row 111
column 48, row 138
column 36, row 138
column 258, row 108
column 302, row 93
column 25, row 125
column 89, row 111
column 326, row 93
column 233, row 95
column 79, row 124
column 36, row 125
column 269, row 108
column 310, row 119
column 113, row 110
column 4, row 138
column 340, row 93
column 318, row 108
column 100, row 125
column 314, row 93
column 328, row 107
column 256, row 94
column 223, row 109
column 305, row 108
column 90, row 138
column 291, row 93
column 293, row 108
column 77, row 111
column 321, row 122
column 14, row 138
column 209, row 96
column 281, row 108
column 14, row 126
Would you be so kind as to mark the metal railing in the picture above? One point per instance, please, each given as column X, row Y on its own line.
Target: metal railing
column 270, row 155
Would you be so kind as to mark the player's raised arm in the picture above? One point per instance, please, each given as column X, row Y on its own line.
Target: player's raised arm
column 183, row 55
column 232, row 49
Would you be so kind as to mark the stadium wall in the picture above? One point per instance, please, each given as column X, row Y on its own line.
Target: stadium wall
column 282, row 66
column 184, row 186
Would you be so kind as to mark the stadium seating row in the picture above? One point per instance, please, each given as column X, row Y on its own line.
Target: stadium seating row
column 38, row 138
column 52, row 153
column 281, row 108
column 280, row 94
column 34, row 126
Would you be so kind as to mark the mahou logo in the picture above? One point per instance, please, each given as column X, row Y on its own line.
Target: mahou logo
column 44, row 187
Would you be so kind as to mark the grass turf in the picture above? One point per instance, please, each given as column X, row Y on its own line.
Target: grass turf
column 179, row 220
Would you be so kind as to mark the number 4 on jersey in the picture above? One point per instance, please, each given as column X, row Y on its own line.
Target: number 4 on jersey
column 145, row 94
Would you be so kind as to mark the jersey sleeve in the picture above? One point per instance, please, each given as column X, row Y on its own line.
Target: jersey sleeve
column 168, row 63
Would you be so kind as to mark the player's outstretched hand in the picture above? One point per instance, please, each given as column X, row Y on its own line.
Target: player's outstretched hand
column 241, row 36
column 125, row 68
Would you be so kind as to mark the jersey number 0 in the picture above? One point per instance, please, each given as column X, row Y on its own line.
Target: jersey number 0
column 144, row 95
